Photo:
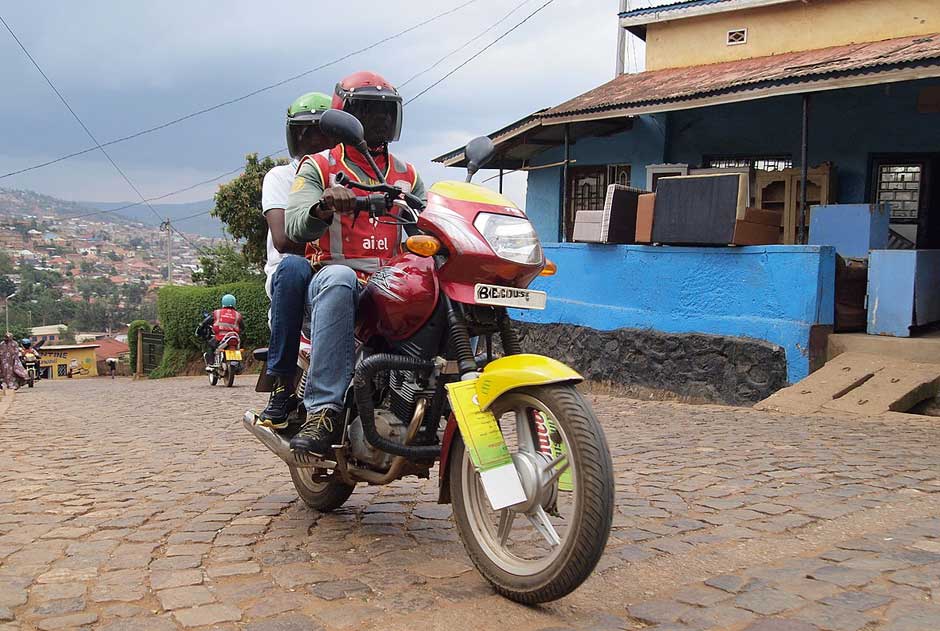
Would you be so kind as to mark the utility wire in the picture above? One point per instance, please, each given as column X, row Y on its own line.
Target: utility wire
column 464, row 45
column 477, row 54
column 237, row 99
column 177, row 191
column 92, row 136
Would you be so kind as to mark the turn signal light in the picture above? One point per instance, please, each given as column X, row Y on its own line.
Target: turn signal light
column 423, row 245
column 549, row 269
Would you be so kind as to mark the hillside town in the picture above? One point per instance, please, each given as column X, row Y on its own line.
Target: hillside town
column 63, row 237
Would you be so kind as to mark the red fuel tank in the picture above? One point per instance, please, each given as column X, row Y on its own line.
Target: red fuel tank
column 398, row 299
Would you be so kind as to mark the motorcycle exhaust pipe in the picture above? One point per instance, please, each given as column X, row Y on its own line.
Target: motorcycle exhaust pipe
column 280, row 446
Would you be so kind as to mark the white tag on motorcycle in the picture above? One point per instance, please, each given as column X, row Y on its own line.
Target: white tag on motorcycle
column 485, row 444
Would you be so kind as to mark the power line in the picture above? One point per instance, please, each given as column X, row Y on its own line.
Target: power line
column 480, row 52
column 464, row 45
column 92, row 136
column 177, row 191
column 237, row 99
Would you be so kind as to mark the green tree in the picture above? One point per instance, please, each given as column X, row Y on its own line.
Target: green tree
column 221, row 265
column 238, row 205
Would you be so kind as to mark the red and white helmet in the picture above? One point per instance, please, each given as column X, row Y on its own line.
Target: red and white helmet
column 364, row 94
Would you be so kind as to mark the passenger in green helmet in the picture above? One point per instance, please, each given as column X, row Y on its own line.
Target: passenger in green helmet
column 303, row 138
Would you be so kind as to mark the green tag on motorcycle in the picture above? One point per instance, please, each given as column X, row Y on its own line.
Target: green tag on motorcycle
column 565, row 483
column 485, row 444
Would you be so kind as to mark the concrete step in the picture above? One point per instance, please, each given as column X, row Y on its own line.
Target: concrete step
column 861, row 384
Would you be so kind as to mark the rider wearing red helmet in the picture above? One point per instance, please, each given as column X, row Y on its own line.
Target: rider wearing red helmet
column 342, row 251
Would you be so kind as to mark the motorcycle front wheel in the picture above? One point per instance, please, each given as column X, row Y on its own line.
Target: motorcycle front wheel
column 544, row 548
column 213, row 378
column 323, row 493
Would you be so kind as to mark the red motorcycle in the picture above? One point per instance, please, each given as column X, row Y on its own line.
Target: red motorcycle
column 522, row 456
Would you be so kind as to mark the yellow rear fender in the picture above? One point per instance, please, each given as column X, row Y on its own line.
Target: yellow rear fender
column 518, row 371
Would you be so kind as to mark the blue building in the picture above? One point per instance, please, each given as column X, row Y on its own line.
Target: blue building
column 850, row 88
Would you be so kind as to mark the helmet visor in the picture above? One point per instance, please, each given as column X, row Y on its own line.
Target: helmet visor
column 380, row 117
column 300, row 131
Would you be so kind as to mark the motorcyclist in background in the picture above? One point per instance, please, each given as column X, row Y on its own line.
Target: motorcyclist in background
column 218, row 324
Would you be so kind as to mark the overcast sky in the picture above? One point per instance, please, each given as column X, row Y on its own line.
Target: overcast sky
column 125, row 66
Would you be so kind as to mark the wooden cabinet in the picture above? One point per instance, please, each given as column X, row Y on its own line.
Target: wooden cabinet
column 780, row 191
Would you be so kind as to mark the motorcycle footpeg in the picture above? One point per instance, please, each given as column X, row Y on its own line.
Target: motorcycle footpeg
column 280, row 445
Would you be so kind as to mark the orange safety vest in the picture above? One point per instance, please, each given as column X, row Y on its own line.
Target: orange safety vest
column 367, row 244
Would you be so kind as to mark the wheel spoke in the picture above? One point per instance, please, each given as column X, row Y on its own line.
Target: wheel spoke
column 506, row 518
column 524, row 431
column 541, row 522
column 557, row 462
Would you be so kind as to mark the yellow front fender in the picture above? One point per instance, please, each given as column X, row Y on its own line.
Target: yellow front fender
column 517, row 371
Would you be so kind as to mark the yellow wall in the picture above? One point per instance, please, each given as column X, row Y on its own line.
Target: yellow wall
column 787, row 27
column 81, row 360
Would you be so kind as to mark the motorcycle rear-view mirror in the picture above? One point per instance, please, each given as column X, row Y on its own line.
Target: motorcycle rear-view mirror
column 479, row 151
column 343, row 128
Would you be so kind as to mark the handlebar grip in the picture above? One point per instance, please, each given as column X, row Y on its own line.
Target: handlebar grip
column 363, row 204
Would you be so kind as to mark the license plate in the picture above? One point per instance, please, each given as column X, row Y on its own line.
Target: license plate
column 233, row 355
column 509, row 297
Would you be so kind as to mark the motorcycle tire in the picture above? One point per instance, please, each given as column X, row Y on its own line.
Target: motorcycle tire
column 588, row 492
column 320, row 496
column 213, row 378
column 30, row 383
column 229, row 376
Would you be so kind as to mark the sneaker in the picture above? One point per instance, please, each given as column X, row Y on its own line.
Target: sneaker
column 322, row 429
column 281, row 403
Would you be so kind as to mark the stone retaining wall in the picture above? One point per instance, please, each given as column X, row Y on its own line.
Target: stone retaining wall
column 716, row 368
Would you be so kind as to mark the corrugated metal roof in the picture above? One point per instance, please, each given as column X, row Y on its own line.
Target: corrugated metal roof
column 676, row 84
column 671, row 6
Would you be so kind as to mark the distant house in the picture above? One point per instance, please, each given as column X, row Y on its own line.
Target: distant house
column 51, row 333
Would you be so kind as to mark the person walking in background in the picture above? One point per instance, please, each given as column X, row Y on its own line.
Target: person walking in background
column 10, row 367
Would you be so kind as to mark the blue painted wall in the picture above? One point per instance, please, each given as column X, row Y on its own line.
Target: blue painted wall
column 772, row 293
column 846, row 126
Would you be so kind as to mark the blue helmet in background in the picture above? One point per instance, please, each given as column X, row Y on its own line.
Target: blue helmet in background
column 26, row 342
column 228, row 300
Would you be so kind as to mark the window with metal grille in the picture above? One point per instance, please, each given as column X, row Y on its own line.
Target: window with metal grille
column 62, row 370
column 899, row 185
column 587, row 189
column 737, row 36
column 760, row 163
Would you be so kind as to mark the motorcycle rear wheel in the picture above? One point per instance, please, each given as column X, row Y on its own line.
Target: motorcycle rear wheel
column 324, row 496
column 553, row 553
column 30, row 382
column 229, row 376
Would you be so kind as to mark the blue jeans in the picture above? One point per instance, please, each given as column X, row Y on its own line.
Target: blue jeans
column 332, row 294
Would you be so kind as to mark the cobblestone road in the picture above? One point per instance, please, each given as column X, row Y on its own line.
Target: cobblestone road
column 145, row 506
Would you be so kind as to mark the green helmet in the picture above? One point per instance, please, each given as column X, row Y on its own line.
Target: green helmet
column 303, row 113
column 228, row 300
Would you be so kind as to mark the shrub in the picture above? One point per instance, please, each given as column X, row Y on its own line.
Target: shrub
column 135, row 326
column 182, row 308
column 173, row 363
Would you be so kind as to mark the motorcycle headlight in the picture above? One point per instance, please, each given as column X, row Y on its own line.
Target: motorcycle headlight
column 512, row 238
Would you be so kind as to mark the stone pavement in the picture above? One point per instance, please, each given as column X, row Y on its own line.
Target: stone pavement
column 146, row 506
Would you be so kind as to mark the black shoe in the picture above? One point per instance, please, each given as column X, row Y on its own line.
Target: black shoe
column 318, row 435
column 280, row 405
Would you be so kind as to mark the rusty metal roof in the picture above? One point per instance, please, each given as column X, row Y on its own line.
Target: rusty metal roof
column 677, row 84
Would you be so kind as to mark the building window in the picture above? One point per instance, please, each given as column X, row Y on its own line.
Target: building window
column 587, row 189
column 737, row 36
column 62, row 370
column 899, row 185
column 759, row 163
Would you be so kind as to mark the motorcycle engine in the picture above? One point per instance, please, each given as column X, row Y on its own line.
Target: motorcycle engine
column 391, row 419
